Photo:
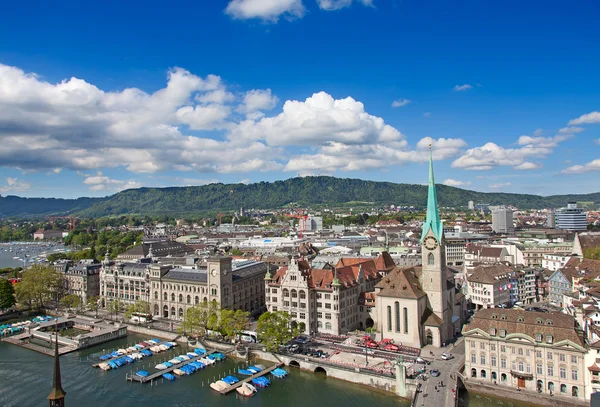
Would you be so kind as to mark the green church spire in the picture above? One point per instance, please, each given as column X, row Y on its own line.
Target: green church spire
column 432, row 221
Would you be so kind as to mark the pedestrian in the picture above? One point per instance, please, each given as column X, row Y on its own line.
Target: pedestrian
column 436, row 389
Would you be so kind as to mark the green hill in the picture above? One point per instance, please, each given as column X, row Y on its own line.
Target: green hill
column 303, row 191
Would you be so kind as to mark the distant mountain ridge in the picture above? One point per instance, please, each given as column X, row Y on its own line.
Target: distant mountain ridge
column 304, row 191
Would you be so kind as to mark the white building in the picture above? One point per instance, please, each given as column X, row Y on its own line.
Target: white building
column 554, row 261
column 570, row 218
column 502, row 220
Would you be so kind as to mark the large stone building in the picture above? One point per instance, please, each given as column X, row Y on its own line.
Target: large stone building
column 156, row 249
column 234, row 285
column 124, row 281
column 81, row 279
column 328, row 300
column 415, row 306
column 530, row 350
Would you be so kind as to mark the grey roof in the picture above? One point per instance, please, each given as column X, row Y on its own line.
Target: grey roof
column 197, row 276
column 248, row 269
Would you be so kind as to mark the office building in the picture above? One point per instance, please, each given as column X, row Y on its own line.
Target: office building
column 570, row 218
column 502, row 220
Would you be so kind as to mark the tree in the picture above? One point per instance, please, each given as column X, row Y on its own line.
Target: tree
column 7, row 294
column 199, row 318
column 70, row 301
column 233, row 321
column 276, row 329
column 114, row 307
column 39, row 283
column 93, row 304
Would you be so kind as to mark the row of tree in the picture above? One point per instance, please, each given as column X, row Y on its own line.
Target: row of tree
column 209, row 316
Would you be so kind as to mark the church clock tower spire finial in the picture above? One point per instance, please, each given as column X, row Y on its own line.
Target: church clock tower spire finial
column 432, row 221
column 57, row 395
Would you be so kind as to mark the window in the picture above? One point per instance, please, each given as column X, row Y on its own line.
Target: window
column 189, row 299
column 302, row 295
column 302, row 315
column 563, row 388
column 520, row 366
column 472, row 344
column 482, row 359
column 539, row 368
column 319, row 305
column 397, row 311
column 520, row 319
column 319, row 315
column 549, row 355
column 294, row 294
column 574, row 374
column 430, row 259
column 493, row 347
column 173, row 299
column 538, row 353
column 327, row 316
column 286, row 303
column 503, row 363
column 493, row 331
column 502, row 333
column 573, row 358
column 493, row 360
column 328, row 305
column 502, row 348
column 528, row 368
column 538, row 338
column 520, row 351
column 389, row 318
column 327, row 325
column 473, row 358
column 549, row 339
column 481, row 345
column 563, row 373
column 286, row 292
column 180, row 297
column 550, row 370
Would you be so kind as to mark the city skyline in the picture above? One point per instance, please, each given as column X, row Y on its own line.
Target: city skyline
column 96, row 100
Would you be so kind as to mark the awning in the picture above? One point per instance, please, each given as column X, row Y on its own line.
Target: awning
column 594, row 368
column 521, row 374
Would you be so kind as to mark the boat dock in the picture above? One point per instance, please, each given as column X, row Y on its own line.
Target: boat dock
column 135, row 378
column 117, row 357
column 22, row 340
column 249, row 378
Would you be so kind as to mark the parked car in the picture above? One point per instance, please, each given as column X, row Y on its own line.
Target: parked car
column 302, row 339
column 294, row 348
column 422, row 361
column 391, row 347
column 447, row 356
column 435, row 373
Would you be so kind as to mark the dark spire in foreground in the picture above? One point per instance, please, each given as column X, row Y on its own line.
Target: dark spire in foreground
column 57, row 395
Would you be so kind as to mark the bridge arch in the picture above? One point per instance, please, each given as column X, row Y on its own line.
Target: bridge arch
column 294, row 363
column 320, row 370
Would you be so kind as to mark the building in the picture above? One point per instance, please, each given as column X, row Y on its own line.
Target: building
column 329, row 300
column 533, row 351
column 124, row 281
column 488, row 286
column 155, row 249
column 415, row 305
column 550, row 222
column 311, row 223
column 571, row 278
column 42, row 234
column 554, row 261
column 232, row 284
column 456, row 245
column 471, row 205
column 502, row 220
column 570, row 218
column 82, row 279
column 585, row 241
column 476, row 254
column 526, row 285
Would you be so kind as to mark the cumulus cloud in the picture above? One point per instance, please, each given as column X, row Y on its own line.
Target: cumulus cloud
column 266, row 10
column 14, row 185
column 427, row 114
column 331, row 5
column 100, row 182
column 400, row 102
column 492, row 155
column 455, row 183
column 570, row 130
column 462, row 88
column 589, row 118
column 578, row 169
column 499, row 185
column 256, row 101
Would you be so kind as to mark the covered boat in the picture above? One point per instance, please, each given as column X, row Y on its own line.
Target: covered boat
column 192, row 355
column 142, row 373
column 161, row 366
column 230, row 379
column 279, row 373
column 207, row 361
column 168, row 376
column 104, row 366
column 256, row 369
column 259, row 382
column 179, row 372
column 246, row 390
column 246, row 372
column 219, row 385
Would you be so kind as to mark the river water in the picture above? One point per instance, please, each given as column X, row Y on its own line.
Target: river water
column 26, row 380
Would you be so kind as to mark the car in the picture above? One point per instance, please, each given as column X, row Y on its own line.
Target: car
column 422, row 361
column 435, row 373
column 294, row 348
column 302, row 340
column 391, row 347
column 447, row 356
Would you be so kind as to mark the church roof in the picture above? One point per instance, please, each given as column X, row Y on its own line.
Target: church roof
column 432, row 221
column 385, row 262
column 430, row 318
column 401, row 282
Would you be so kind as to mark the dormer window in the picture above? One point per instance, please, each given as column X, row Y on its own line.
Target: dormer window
column 539, row 321
column 502, row 333
column 494, row 316
column 538, row 338
column 493, row 331
column 549, row 339
column 520, row 319
column 549, row 322
column 503, row 316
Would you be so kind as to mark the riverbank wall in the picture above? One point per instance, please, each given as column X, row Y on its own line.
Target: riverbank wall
column 383, row 383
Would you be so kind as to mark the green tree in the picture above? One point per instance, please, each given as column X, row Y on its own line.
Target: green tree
column 276, row 329
column 93, row 304
column 39, row 283
column 199, row 318
column 114, row 307
column 233, row 321
column 7, row 294
column 70, row 301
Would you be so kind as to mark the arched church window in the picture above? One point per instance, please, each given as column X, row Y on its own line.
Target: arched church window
column 431, row 259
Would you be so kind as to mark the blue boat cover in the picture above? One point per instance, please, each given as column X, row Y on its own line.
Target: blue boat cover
column 168, row 376
column 245, row 372
column 143, row 373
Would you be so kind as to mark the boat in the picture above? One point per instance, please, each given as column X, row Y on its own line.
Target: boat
column 246, row 372
column 255, row 369
column 230, row 379
column 279, row 373
column 104, row 366
column 160, row 366
column 142, row 373
column 261, row 381
column 168, row 376
column 207, row 361
column 219, row 385
column 192, row 355
column 179, row 372
column 246, row 390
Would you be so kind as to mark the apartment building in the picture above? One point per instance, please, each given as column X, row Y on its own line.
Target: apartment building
column 539, row 352
column 489, row 286
column 82, row 279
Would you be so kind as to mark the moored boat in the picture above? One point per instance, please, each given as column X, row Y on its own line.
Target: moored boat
column 246, row 390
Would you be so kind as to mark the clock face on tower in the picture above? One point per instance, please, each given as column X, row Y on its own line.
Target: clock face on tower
column 430, row 243
column 225, row 271
column 213, row 272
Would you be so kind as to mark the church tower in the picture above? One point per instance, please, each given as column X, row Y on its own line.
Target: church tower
column 433, row 276
column 57, row 395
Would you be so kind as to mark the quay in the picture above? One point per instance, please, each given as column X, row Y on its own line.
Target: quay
column 248, row 379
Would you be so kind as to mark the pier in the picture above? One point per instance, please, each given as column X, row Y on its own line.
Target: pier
column 135, row 378
column 249, row 378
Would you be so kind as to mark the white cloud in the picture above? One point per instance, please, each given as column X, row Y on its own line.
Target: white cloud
column 589, row 118
column 331, row 5
column 500, row 185
column 400, row 102
column 578, row 169
column 257, row 100
column 492, row 155
column 462, row 88
column 570, row 130
column 427, row 114
column 454, row 183
column 266, row 10
column 14, row 185
column 597, row 141
column 100, row 182
column 246, row 181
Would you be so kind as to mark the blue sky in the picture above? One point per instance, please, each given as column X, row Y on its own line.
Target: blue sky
column 96, row 98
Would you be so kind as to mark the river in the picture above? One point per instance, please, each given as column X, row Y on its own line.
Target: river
column 26, row 380
column 33, row 250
